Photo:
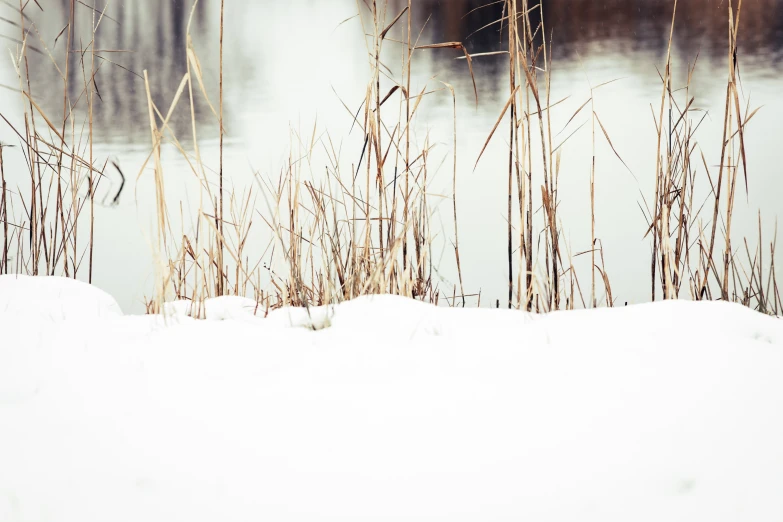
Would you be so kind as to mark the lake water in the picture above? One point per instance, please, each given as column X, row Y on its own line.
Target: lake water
column 289, row 64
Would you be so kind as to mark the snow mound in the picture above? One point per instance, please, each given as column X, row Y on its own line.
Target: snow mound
column 677, row 321
column 54, row 298
column 32, row 309
column 402, row 319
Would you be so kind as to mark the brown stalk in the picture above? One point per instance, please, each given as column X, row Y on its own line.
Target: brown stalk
column 407, row 145
column 511, row 6
column 4, row 215
column 658, row 166
column 726, row 118
column 221, row 281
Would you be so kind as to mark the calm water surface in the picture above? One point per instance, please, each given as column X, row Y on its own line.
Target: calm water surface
column 286, row 63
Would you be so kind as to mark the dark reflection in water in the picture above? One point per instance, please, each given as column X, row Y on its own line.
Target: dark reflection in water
column 132, row 36
column 155, row 32
column 624, row 24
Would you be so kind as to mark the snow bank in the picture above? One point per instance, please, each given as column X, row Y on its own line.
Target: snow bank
column 392, row 409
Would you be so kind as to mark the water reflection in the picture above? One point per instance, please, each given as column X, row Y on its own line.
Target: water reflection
column 625, row 25
column 155, row 34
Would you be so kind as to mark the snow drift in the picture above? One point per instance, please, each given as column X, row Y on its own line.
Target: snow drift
column 390, row 409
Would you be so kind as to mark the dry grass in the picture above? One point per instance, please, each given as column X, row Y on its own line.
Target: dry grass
column 41, row 223
column 340, row 232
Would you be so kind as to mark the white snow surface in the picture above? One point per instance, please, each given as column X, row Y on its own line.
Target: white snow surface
column 389, row 409
column 54, row 298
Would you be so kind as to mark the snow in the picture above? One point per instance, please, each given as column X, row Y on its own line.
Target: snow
column 54, row 298
column 383, row 408
column 217, row 309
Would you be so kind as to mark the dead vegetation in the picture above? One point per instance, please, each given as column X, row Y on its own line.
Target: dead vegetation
column 364, row 225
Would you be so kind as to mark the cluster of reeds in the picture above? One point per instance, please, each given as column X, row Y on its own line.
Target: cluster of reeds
column 546, row 278
column 364, row 225
column 680, row 253
column 41, row 210
column 685, row 245
column 335, row 235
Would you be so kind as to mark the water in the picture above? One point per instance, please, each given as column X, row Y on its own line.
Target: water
column 289, row 64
